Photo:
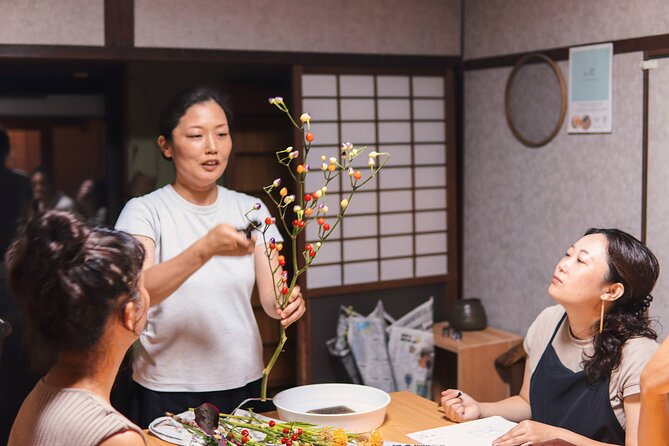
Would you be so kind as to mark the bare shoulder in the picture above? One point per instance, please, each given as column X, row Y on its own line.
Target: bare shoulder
column 125, row 438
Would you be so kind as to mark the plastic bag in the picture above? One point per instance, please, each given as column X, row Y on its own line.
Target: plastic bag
column 339, row 349
column 411, row 350
column 367, row 340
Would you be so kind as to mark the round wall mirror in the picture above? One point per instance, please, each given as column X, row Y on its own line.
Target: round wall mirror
column 535, row 100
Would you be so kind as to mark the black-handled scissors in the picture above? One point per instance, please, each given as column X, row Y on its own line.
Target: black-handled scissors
column 249, row 229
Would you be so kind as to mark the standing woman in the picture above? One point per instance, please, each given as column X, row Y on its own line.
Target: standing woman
column 81, row 295
column 202, row 342
column 585, row 355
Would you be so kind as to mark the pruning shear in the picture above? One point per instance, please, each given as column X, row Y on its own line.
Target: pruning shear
column 249, row 229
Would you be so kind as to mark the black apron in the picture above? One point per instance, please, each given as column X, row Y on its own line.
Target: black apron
column 563, row 398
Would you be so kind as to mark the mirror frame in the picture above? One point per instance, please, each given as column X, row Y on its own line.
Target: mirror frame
column 563, row 93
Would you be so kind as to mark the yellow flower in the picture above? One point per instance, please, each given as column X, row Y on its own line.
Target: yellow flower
column 305, row 118
column 339, row 438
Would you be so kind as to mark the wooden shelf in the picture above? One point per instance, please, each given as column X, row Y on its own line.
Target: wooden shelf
column 474, row 356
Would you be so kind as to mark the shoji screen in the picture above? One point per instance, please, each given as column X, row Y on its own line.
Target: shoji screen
column 396, row 228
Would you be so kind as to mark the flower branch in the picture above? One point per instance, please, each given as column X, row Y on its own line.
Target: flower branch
column 298, row 210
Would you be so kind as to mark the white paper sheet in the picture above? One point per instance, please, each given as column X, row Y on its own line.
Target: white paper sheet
column 471, row 433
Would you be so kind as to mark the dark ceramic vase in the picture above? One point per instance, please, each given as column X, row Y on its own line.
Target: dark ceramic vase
column 468, row 315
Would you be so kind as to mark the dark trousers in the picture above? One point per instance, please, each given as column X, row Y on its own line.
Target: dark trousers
column 147, row 405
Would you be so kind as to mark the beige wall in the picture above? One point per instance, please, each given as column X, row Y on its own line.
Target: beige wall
column 494, row 27
column 524, row 207
column 51, row 22
column 658, row 185
column 417, row 27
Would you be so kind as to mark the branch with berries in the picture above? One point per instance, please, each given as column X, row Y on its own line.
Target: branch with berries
column 301, row 208
column 218, row 429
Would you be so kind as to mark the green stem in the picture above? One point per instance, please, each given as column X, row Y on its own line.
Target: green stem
column 270, row 364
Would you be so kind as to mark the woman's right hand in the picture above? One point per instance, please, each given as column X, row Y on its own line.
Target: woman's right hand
column 225, row 240
column 459, row 406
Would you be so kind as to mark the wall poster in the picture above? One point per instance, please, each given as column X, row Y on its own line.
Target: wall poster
column 590, row 88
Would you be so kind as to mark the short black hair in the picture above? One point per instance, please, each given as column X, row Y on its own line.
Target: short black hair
column 178, row 104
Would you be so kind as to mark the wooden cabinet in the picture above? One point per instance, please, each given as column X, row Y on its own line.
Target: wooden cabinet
column 469, row 363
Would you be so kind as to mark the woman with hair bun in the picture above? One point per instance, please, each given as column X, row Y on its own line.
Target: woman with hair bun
column 80, row 291
column 586, row 354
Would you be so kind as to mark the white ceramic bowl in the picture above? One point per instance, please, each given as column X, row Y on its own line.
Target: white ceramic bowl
column 368, row 403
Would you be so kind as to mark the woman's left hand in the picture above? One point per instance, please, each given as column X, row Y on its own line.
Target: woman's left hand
column 526, row 433
column 294, row 310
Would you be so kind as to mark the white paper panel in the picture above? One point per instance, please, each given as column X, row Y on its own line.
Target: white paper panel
column 430, row 176
column 361, row 272
column 431, row 266
column 396, row 246
column 396, row 269
column 394, row 178
column 315, row 153
column 431, row 243
column 360, row 226
column 321, row 109
column 392, row 86
column 363, row 202
column 395, row 201
column 352, row 109
column 315, row 180
column 330, row 252
column 325, row 133
column 324, row 276
column 396, row 224
column 428, row 86
column 319, row 85
column 431, row 199
column 362, row 249
column 356, row 85
column 429, row 154
column 394, row 109
column 358, row 133
column 366, row 173
column 429, row 109
column 429, row 131
column 400, row 155
column 431, row 221
column 394, row 132
column 360, row 162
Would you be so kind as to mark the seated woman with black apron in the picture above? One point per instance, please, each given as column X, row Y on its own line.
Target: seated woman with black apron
column 586, row 354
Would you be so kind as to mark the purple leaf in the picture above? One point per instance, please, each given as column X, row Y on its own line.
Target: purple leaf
column 206, row 416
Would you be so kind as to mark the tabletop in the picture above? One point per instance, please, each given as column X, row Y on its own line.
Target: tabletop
column 406, row 413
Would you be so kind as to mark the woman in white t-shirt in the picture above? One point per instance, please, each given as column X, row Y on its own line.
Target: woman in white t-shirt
column 585, row 355
column 201, row 343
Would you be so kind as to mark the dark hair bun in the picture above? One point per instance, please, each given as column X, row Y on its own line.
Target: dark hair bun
column 56, row 239
column 67, row 278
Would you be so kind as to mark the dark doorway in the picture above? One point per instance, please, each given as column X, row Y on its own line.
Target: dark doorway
column 65, row 116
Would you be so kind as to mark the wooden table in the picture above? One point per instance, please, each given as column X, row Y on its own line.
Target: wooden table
column 406, row 413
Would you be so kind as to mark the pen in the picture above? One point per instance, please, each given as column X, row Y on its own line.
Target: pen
column 457, row 396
